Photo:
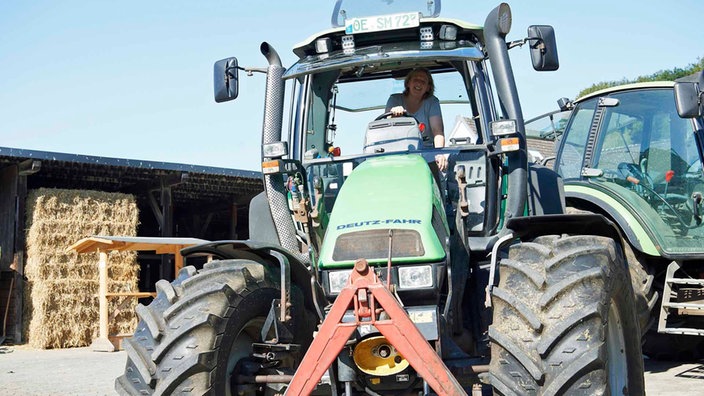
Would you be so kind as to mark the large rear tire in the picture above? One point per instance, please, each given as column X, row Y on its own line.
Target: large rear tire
column 563, row 320
column 190, row 337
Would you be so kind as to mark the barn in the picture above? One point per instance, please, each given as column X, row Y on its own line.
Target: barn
column 78, row 195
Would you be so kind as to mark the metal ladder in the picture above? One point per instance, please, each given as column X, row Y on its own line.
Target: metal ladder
column 683, row 308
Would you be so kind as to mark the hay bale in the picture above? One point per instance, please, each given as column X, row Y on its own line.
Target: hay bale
column 63, row 285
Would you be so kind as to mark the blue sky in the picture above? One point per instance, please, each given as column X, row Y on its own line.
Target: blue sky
column 133, row 79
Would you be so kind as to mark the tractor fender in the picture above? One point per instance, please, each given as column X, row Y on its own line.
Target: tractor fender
column 531, row 227
column 630, row 226
column 261, row 223
column 269, row 255
column 527, row 228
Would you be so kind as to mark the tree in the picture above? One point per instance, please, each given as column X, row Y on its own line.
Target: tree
column 662, row 75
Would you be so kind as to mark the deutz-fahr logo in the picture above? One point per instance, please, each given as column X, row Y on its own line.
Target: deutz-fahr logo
column 378, row 222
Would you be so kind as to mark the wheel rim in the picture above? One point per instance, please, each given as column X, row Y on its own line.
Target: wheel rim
column 241, row 347
column 616, row 349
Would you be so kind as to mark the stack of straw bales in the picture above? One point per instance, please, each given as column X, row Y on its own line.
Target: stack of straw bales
column 61, row 298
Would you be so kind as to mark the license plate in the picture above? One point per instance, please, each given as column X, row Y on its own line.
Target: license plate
column 383, row 22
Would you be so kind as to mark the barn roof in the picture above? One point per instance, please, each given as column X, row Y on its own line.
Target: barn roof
column 190, row 184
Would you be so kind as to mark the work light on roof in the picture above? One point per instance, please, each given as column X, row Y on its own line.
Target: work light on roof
column 323, row 45
column 448, row 32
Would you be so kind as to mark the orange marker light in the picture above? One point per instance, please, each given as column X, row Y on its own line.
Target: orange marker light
column 509, row 144
column 269, row 167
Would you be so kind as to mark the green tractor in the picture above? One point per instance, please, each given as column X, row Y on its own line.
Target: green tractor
column 369, row 268
column 633, row 153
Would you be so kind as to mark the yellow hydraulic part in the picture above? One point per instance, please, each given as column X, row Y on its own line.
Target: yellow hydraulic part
column 376, row 356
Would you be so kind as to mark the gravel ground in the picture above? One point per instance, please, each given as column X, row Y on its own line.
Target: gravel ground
column 80, row 371
column 74, row 371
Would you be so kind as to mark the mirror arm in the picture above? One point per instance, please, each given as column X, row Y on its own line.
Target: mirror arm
column 519, row 43
column 251, row 70
column 516, row 43
column 540, row 44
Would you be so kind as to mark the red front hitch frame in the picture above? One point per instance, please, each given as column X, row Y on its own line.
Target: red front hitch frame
column 369, row 297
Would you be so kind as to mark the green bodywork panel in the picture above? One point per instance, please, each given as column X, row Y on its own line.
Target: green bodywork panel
column 391, row 192
column 646, row 243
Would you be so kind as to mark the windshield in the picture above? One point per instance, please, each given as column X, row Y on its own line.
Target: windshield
column 346, row 110
column 344, row 121
column 548, row 126
column 346, row 9
column 542, row 131
column 649, row 158
column 373, row 94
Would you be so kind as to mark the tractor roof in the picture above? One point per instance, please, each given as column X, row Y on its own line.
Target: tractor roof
column 627, row 87
column 389, row 51
column 465, row 31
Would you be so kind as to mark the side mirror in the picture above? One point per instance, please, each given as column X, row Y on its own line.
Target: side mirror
column 225, row 82
column 689, row 97
column 543, row 48
column 565, row 104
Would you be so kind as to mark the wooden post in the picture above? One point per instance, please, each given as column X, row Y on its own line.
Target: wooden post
column 178, row 260
column 102, row 343
column 19, row 260
column 167, row 227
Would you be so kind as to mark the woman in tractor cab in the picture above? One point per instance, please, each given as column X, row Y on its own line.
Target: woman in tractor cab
column 419, row 101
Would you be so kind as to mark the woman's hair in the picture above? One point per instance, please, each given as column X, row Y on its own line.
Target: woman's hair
column 420, row 70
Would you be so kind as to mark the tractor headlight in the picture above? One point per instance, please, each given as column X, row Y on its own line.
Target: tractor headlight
column 415, row 277
column 338, row 280
column 503, row 128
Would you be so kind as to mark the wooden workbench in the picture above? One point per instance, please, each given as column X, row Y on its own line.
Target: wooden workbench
column 104, row 244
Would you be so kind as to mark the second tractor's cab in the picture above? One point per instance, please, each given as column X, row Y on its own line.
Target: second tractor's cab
column 634, row 154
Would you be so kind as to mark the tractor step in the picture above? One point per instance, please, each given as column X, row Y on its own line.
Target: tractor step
column 689, row 301
column 368, row 297
column 683, row 331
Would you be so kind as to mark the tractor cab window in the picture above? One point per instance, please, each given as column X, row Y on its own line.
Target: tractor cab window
column 340, row 111
column 649, row 156
column 574, row 145
column 543, row 132
column 621, row 140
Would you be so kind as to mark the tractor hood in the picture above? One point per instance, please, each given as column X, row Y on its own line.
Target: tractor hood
column 391, row 193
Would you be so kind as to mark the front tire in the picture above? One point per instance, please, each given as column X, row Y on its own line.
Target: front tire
column 564, row 321
column 191, row 336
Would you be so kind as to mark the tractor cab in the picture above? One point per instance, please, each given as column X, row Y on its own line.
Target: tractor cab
column 646, row 156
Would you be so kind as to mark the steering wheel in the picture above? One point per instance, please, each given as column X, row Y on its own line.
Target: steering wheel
column 391, row 114
column 645, row 186
column 628, row 169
